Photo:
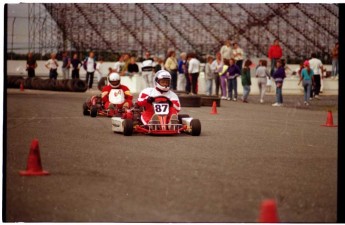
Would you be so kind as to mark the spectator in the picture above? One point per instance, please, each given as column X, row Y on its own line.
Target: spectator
column 279, row 76
column 126, row 62
column 89, row 65
column 223, row 77
column 232, row 74
column 100, row 69
column 181, row 80
column 274, row 53
column 66, row 65
column 31, row 65
column 317, row 67
column 76, row 64
column 159, row 64
column 335, row 62
column 237, row 53
column 216, row 67
column 209, row 75
column 119, row 64
column 193, row 71
column 52, row 65
column 226, row 51
column 307, row 78
column 147, row 69
column 133, row 67
column 262, row 74
column 246, row 81
column 171, row 66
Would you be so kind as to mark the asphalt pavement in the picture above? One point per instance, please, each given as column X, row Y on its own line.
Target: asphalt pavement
column 245, row 154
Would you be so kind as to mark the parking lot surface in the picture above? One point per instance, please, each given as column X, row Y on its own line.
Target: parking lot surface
column 245, row 154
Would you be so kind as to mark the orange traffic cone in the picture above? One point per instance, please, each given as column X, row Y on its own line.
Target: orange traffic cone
column 21, row 86
column 268, row 213
column 329, row 122
column 34, row 166
column 214, row 108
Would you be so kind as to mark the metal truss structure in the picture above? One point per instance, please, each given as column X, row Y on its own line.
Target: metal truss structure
column 200, row 28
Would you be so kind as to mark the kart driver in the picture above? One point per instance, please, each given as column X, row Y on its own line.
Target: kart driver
column 162, row 80
column 114, row 83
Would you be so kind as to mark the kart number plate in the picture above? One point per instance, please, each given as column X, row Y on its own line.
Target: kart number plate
column 161, row 108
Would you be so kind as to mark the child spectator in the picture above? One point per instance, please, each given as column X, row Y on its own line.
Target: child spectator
column 222, row 73
column 307, row 76
column 279, row 76
column 232, row 74
column 246, row 81
column 262, row 74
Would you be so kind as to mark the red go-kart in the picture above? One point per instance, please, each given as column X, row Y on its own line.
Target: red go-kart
column 130, row 121
column 95, row 107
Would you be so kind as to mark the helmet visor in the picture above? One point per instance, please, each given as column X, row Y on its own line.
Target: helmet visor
column 115, row 83
column 165, row 82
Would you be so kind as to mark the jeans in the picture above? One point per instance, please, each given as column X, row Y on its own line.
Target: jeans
column 223, row 83
column 279, row 94
column 335, row 67
column 89, row 78
column 317, row 86
column 195, row 77
column 53, row 74
column 75, row 74
column 307, row 89
column 188, row 83
column 262, row 82
column 209, row 86
column 246, row 91
column 232, row 86
column 65, row 73
column 217, row 79
column 173, row 79
column 273, row 65
column 148, row 78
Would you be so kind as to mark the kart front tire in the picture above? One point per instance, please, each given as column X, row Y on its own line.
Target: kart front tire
column 195, row 127
column 127, row 127
column 93, row 112
column 86, row 112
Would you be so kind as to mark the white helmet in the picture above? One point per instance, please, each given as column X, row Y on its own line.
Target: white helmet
column 162, row 75
column 114, row 80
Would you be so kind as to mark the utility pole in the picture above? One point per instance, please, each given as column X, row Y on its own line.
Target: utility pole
column 14, row 19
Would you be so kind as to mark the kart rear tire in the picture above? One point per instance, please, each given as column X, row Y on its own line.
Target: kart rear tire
column 127, row 127
column 180, row 116
column 94, row 111
column 86, row 112
column 196, row 127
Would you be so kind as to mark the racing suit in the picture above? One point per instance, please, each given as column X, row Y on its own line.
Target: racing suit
column 105, row 96
column 148, row 108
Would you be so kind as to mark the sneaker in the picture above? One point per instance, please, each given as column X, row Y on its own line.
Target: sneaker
column 306, row 103
column 317, row 97
column 234, row 99
column 261, row 101
column 276, row 104
column 229, row 99
column 223, row 97
column 310, row 99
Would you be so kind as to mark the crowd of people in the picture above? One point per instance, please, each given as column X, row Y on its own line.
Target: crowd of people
column 221, row 70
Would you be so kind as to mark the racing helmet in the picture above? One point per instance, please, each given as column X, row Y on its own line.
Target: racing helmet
column 162, row 80
column 114, row 80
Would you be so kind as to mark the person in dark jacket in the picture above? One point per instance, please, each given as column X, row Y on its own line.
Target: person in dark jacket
column 279, row 76
column 31, row 65
column 246, row 81
column 232, row 74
